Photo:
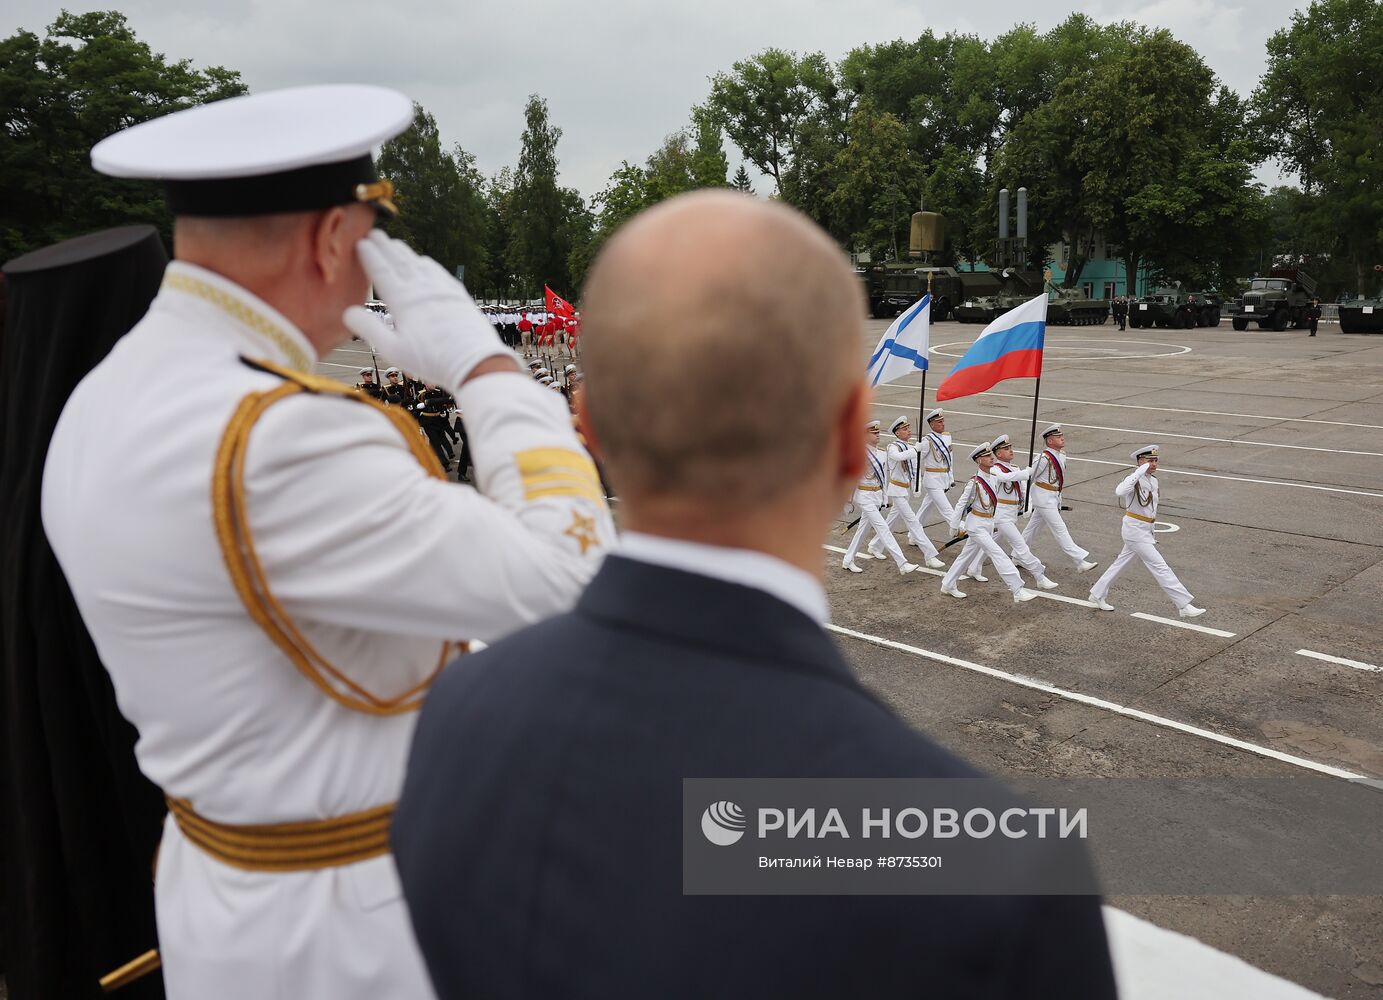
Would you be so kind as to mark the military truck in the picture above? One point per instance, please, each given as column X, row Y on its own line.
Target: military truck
column 986, row 300
column 1175, row 307
column 1361, row 316
column 1072, row 307
column 894, row 285
column 1277, row 301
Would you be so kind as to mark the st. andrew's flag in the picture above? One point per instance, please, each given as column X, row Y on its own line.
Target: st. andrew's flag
column 903, row 348
column 1010, row 347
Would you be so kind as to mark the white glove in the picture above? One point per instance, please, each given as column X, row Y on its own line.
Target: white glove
column 438, row 332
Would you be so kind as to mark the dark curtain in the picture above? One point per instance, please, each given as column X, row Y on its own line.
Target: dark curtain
column 79, row 822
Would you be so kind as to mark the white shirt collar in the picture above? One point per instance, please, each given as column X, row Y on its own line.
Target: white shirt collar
column 742, row 566
column 266, row 332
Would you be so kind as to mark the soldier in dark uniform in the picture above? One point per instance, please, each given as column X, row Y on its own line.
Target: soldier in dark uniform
column 395, row 391
column 1313, row 314
column 1120, row 311
column 369, row 386
column 431, row 410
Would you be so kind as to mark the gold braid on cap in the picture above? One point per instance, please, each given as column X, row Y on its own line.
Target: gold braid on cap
column 242, row 561
column 380, row 193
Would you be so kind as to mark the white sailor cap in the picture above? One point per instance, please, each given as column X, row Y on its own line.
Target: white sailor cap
column 534, row 363
column 296, row 150
column 546, row 380
column 933, row 414
column 1000, row 441
column 873, row 425
column 543, row 371
column 367, row 371
column 898, row 422
column 981, row 449
column 569, row 369
column 1145, row 451
column 392, row 371
column 553, row 385
column 1050, row 430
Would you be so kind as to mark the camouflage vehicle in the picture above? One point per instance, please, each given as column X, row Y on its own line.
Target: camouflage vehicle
column 894, row 285
column 1175, row 307
column 1277, row 301
column 1361, row 316
column 984, row 302
column 1072, row 307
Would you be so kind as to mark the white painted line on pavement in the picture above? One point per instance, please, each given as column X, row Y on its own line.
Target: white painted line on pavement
column 1209, row 475
column 1147, row 433
column 1181, row 624
column 1108, row 706
column 1356, row 664
column 1172, row 409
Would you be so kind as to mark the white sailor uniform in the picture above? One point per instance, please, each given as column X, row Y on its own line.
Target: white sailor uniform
column 1138, row 495
column 1048, row 480
column 1009, row 486
column 977, row 506
column 938, row 475
column 375, row 563
column 869, row 497
column 902, row 465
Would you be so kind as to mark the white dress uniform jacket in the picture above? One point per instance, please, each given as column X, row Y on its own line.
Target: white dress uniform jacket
column 977, row 505
column 903, row 461
column 1005, row 524
column 376, row 562
column 1048, row 480
column 870, row 494
column 1138, row 495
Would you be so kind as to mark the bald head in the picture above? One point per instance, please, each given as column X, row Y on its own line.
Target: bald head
column 722, row 338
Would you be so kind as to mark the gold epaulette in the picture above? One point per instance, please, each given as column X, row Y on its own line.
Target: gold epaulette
column 242, row 561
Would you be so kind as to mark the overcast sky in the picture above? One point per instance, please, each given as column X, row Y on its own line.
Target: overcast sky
column 618, row 76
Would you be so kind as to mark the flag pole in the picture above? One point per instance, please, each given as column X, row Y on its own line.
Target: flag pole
column 921, row 422
column 1032, row 438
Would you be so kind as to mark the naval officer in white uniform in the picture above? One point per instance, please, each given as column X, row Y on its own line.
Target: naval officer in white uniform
column 1048, row 480
column 1138, row 495
column 869, row 496
column 938, row 467
column 274, row 567
column 902, row 473
column 974, row 512
column 1005, row 524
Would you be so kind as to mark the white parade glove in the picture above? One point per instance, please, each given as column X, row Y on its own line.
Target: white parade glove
column 438, row 332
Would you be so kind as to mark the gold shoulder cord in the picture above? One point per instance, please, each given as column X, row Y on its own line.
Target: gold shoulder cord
column 237, row 544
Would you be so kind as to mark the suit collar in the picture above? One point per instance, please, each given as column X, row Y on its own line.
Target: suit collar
column 698, row 611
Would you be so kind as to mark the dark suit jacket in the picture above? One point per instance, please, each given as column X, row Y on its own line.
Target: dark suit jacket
column 539, row 836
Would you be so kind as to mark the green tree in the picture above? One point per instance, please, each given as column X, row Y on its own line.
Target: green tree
column 1319, row 106
column 442, row 205
column 741, row 182
column 710, row 165
column 546, row 221
column 89, row 77
column 877, row 178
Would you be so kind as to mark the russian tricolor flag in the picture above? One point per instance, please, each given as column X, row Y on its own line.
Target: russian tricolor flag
column 1010, row 347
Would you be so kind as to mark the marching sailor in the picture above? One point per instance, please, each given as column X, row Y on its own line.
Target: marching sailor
column 1048, row 480
column 869, row 496
column 974, row 516
column 1006, row 519
column 902, row 470
column 938, row 467
column 369, row 386
column 231, row 573
column 1138, row 495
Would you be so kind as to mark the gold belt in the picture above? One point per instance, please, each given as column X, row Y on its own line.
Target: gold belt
column 1048, row 486
column 896, row 483
column 1140, row 517
column 288, row 847
column 1011, row 503
column 980, row 513
column 869, row 489
column 930, row 469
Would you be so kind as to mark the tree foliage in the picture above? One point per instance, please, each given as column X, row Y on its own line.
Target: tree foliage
column 546, row 221
column 88, row 77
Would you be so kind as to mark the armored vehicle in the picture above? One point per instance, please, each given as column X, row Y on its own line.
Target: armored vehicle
column 1175, row 307
column 984, row 302
column 1361, row 316
column 1277, row 301
column 894, row 285
column 1072, row 307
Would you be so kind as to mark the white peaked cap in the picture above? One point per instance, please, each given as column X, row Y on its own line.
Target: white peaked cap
column 1051, row 429
column 983, row 448
column 933, row 414
column 1000, row 441
column 1147, row 449
column 265, row 133
column 873, row 425
column 899, row 422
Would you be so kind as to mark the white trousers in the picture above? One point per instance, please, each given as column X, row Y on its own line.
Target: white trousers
column 1050, row 518
column 872, row 520
column 935, row 500
column 902, row 508
column 1146, row 550
column 1007, row 530
column 980, row 541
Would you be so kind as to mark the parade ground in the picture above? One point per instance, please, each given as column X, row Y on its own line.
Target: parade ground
column 1272, row 516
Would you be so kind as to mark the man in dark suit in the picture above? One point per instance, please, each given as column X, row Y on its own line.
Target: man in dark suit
column 539, row 836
